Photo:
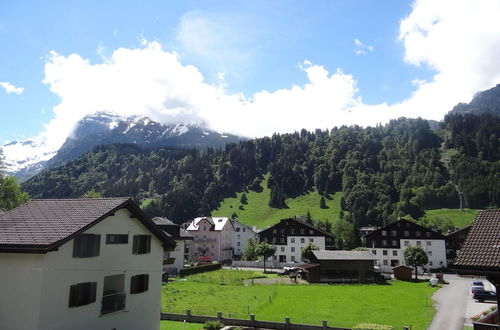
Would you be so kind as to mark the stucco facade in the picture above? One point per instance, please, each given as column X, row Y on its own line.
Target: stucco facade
column 35, row 288
column 241, row 235
column 212, row 238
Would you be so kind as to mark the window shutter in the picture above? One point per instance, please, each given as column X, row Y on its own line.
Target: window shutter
column 146, row 282
column 148, row 244
column 135, row 245
column 133, row 284
column 96, row 245
column 93, row 289
column 73, row 295
column 76, row 247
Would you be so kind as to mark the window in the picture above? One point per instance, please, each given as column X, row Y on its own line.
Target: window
column 430, row 263
column 385, row 262
column 384, row 252
column 238, row 229
column 139, row 283
column 142, row 244
column 274, row 240
column 275, row 258
column 384, row 233
column 384, row 242
column 428, row 234
column 394, row 252
column 394, row 233
column 406, row 233
column 293, row 258
column 407, row 243
column 419, row 243
column 394, row 243
column 311, row 232
column 82, row 294
column 292, row 231
column 429, row 243
column 302, row 231
column 374, row 252
column 302, row 240
column 293, row 249
column 418, row 233
column 429, row 253
column 282, row 240
column 243, row 229
column 311, row 240
column 117, row 239
column 292, row 240
column 282, row 249
column 407, row 224
column 275, row 231
column 113, row 294
column 238, row 236
column 238, row 244
column 86, row 246
column 282, row 230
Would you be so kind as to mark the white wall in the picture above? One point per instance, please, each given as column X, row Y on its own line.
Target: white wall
column 294, row 245
column 61, row 270
column 178, row 254
column 242, row 236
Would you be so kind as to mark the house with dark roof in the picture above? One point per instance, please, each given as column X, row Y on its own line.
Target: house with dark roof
column 290, row 235
column 80, row 264
column 480, row 254
column 173, row 261
column 455, row 240
column 389, row 243
column 341, row 267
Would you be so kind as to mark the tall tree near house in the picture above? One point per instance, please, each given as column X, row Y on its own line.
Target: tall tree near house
column 249, row 254
column 307, row 251
column 265, row 251
column 415, row 256
column 92, row 194
column 11, row 194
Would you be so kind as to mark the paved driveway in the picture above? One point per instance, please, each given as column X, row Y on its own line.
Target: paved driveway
column 455, row 305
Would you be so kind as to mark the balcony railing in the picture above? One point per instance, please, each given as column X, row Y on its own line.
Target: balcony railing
column 113, row 302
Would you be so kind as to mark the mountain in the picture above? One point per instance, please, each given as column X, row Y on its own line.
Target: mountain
column 487, row 101
column 28, row 158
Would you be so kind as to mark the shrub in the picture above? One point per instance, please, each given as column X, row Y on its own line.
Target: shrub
column 372, row 326
column 199, row 269
column 213, row 325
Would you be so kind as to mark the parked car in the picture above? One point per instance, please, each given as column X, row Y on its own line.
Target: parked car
column 477, row 286
column 482, row 295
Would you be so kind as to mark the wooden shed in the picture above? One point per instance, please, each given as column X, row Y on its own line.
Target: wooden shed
column 402, row 272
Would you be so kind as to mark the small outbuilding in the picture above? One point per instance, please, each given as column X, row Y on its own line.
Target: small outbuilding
column 344, row 266
column 402, row 272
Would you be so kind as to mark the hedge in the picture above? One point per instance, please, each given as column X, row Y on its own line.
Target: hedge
column 199, row 269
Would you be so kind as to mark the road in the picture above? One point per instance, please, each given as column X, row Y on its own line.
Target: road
column 455, row 305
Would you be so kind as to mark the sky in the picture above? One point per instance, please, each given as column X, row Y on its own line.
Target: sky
column 250, row 68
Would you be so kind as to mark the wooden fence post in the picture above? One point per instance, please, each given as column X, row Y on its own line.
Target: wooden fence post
column 325, row 325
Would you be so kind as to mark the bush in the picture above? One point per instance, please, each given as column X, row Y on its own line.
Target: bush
column 213, row 325
column 372, row 326
column 199, row 269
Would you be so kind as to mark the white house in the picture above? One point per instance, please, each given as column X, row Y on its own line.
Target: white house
column 173, row 261
column 242, row 233
column 212, row 239
column 80, row 264
column 289, row 236
column 389, row 243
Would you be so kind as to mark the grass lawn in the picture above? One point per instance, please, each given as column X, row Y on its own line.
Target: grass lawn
column 258, row 213
column 172, row 325
column 397, row 304
column 460, row 218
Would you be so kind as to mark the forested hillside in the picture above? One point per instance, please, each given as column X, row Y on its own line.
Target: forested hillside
column 384, row 172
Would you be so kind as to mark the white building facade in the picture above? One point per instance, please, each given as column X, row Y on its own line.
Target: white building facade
column 389, row 243
column 212, row 239
column 105, row 275
column 242, row 233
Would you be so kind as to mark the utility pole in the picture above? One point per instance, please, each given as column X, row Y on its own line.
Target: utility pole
column 461, row 195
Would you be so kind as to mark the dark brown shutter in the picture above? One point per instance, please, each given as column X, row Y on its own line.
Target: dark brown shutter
column 76, row 247
column 135, row 244
column 73, row 295
column 133, row 284
column 148, row 244
column 146, row 282
column 96, row 245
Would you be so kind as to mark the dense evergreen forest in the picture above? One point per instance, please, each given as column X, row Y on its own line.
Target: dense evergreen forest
column 385, row 172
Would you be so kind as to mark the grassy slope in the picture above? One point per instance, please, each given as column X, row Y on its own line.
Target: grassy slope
column 460, row 218
column 397, row 304
column 258, row 213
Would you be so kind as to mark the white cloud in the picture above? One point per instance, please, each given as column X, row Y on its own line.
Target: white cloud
column 153, row 82
column 9, row 88
column 360, row 48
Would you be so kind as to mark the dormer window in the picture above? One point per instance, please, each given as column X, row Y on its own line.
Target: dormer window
column 384, row 233
column 86, row 246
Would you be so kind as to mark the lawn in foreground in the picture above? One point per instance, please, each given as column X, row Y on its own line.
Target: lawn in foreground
column 398, row 304
column 257, row 211
column 172, row 325
column 460, row 218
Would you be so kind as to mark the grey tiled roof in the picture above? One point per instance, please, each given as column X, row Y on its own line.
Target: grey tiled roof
column 481, row 250
column 44, row 222
column 343, row 255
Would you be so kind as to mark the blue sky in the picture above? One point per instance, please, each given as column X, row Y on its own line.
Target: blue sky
column 285, row 64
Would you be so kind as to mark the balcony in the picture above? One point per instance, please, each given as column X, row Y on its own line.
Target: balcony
column 168, row 261
column 112, row 302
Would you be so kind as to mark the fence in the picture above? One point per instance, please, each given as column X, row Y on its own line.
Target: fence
column 287, row 325
column 260, row 264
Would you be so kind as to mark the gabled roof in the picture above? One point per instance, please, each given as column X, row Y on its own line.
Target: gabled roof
column 299, row 222
column 459, row 230
column 233, row 221
column 481, row 249
column 43, row 225
column 394, row 225
column 343, row 255
column 217, row 223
